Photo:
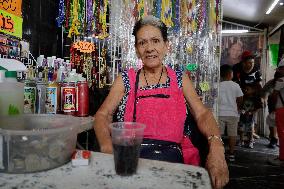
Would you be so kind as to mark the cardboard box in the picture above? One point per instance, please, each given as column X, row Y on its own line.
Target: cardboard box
column 81, row 157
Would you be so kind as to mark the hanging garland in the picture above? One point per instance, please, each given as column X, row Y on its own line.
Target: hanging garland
column 103, row 20
column 67, row 13
column 90, row 15
column 166, row 14
column 176, row 16
column 75, row 20
column 140, row 9
column 61, row 13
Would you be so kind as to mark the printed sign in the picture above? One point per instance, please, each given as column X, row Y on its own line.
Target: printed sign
column 84, row 46
column 12, row 6
column 10, row 24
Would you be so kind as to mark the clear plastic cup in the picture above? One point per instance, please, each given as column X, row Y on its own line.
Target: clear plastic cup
column 126, row 141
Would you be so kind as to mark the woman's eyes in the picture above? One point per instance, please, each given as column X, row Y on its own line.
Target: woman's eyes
column 155, row 41
column 144, row 43
column 141, row 43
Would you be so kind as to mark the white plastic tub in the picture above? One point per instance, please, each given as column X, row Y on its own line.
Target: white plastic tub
column 31, row 143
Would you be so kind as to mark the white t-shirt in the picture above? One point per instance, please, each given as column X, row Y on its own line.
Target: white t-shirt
column 228, row 93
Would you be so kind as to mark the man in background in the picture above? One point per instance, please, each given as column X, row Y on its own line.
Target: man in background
column 279, row 114
column 246, row 74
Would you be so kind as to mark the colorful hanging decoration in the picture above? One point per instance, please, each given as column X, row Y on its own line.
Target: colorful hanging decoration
column 166, row 14
column 90, row 15
column 193, row 35
column 176, row 16
column 87, row 66
column 61, row 13
column 140, row 9
column 102, row 20
column 75, row 22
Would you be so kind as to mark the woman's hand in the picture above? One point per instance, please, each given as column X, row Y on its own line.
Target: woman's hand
column 106, row 149
column 217, row 166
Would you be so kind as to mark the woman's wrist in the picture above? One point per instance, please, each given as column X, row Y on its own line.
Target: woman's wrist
column 215, row 137
column 215, row 143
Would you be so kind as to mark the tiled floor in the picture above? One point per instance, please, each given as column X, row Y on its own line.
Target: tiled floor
column 251, row 170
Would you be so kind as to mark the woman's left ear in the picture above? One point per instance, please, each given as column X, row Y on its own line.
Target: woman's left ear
column 167, row 46
column 137, row 54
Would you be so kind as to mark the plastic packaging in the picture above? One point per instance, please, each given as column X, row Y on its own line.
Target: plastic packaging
column 11, row 91
column 38, row 142
column 81, row 157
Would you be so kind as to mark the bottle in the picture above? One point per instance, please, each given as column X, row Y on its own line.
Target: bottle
column 68, row 98
column 82, row 98
column 40, row 97
column 11, row 93
column 29, row 97
column 60, row 74
column 52, row 99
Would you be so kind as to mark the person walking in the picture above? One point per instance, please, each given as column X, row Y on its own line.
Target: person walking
column 229, row 101
column 279, row 114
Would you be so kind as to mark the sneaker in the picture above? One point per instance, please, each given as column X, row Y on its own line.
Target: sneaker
column 250, row 145
column 273, row 143
column 230, row 157
column 272, row 146
column 276, row 162
column 241, row 144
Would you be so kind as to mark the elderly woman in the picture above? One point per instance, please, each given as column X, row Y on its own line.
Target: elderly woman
column 155, row 95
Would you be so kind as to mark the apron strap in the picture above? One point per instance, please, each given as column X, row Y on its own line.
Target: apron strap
column 135, row 94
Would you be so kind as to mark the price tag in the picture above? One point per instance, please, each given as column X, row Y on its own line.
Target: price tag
column 191, row 67
column 204, row 86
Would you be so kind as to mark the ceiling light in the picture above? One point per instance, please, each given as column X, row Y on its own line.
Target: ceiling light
column 272, row 7
column 234, row 31
column 281, row 4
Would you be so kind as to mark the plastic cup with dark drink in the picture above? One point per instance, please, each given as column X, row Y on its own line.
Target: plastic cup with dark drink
column 126, row 141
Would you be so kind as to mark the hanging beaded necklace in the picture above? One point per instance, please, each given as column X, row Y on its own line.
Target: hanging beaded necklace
column 159, row 78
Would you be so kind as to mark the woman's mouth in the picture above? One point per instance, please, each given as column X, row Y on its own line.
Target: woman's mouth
column 151, row 56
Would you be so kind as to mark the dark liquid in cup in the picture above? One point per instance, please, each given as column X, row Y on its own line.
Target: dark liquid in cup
column 126, row 159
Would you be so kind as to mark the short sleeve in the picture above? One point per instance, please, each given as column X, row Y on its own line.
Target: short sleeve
column 258, row 76
column 126, row 81
column 179, row 74
column 239, row 91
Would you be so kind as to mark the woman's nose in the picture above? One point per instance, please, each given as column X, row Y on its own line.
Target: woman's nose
column 149, row 47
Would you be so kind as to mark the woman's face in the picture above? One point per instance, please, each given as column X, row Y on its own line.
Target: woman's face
column 150, row 46
column 235, row 51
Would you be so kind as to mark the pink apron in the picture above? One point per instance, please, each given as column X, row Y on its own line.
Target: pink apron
column 164, row 117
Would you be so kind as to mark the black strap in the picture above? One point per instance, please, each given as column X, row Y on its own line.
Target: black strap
column 281, row 98
column 135, row 94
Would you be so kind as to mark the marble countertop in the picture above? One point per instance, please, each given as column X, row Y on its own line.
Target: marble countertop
column 100, row 174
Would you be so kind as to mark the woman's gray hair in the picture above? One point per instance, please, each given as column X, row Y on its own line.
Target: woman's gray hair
column 152, row 21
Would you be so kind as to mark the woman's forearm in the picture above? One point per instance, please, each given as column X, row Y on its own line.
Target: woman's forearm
column 103, row 133
column 208, row 127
